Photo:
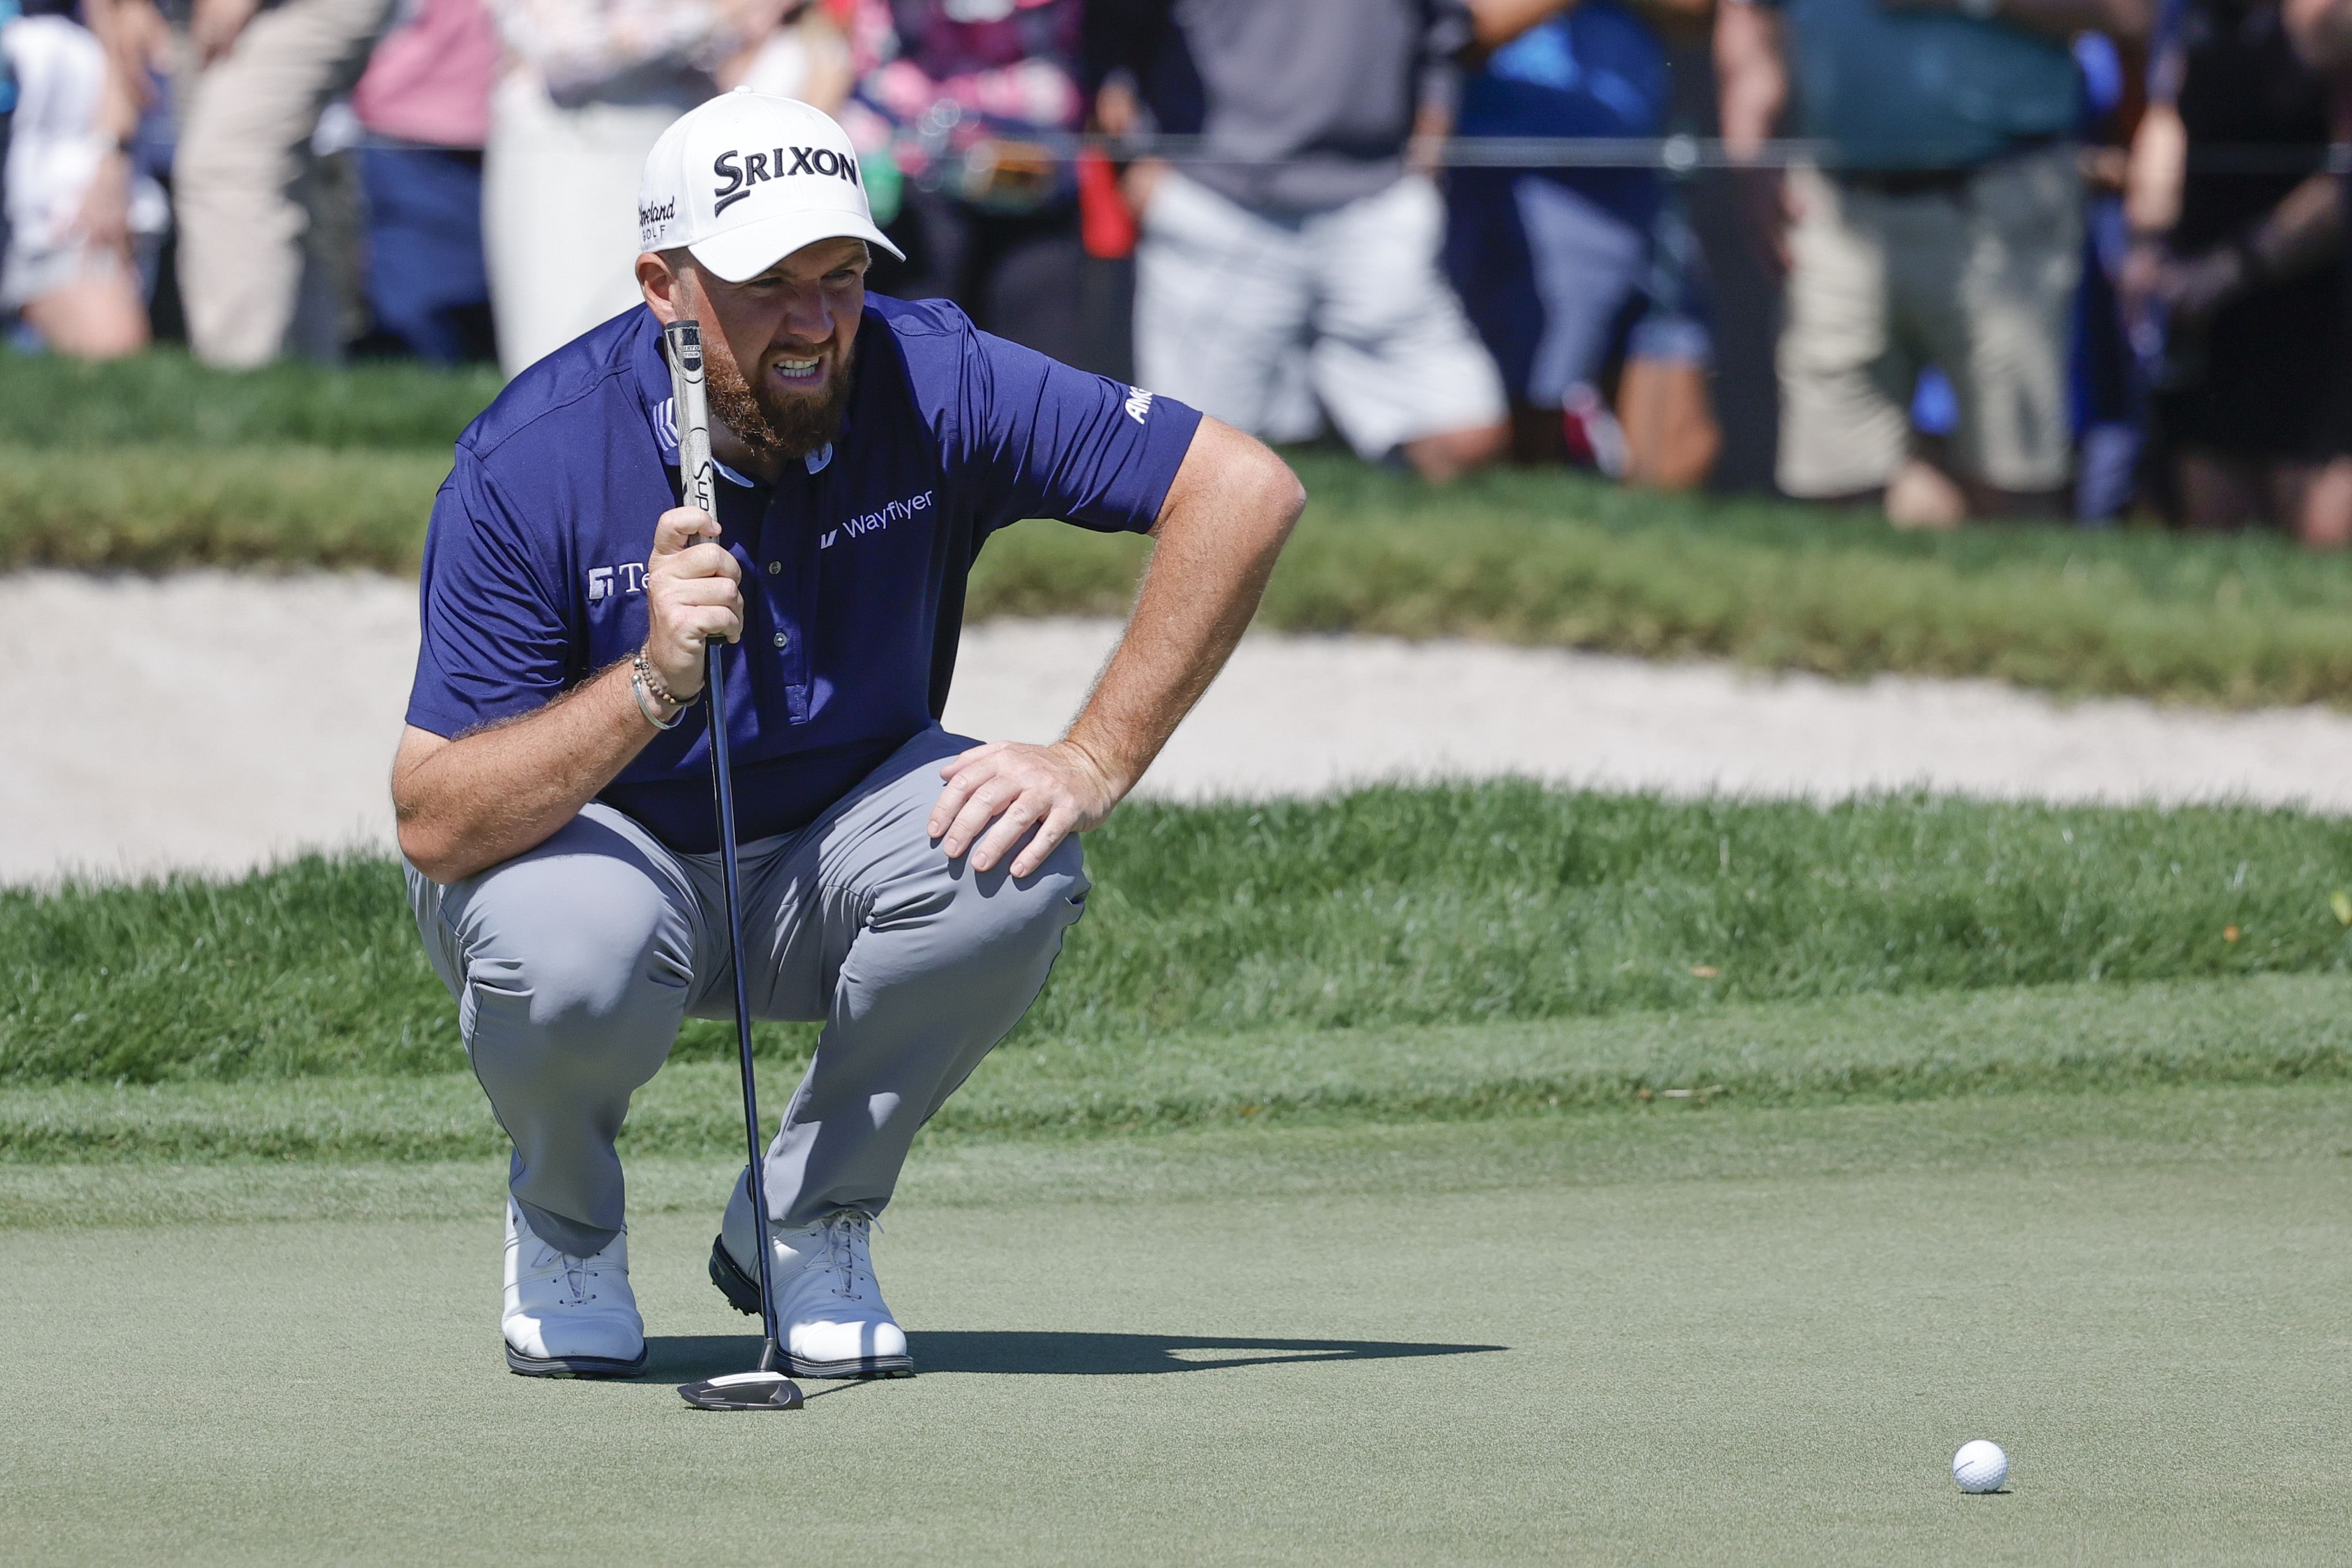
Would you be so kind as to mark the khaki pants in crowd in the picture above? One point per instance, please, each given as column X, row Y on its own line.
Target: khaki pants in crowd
column 560, row 209
column 1230, row 301
column 242, row 155
column 1978, row 278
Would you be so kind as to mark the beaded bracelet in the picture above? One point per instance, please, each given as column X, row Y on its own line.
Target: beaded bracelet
column 645, row 682
column 655, row 685
column 645, row 707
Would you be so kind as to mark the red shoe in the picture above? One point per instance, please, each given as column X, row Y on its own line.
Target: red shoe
column 1595, row 439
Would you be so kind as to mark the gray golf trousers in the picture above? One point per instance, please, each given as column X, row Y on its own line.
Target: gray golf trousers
column 573, row 964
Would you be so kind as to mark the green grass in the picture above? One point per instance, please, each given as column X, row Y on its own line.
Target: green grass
column 1555, row 560
column 159, row 508
column 1731, row 1336
column 166, row 398
column 1387, row 909
column 2275, row 1030
column 156, row 463
column 2043, row 1132
column 1539, row 559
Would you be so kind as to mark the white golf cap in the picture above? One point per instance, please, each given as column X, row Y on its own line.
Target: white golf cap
column 747, row 179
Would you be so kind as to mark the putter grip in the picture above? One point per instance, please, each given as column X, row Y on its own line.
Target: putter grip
column 690, row 412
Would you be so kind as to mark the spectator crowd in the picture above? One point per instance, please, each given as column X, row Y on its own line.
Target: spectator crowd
column 2023, row 257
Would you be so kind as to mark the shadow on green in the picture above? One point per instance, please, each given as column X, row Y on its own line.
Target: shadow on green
column 1026, row 1352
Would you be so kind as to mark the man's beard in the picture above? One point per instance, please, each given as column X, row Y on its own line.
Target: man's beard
column 777, row 425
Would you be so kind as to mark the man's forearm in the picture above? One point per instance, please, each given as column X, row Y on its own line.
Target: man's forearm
column 1226, row 518
column 1751, row 81
column 2157, row 172
column 466, row 805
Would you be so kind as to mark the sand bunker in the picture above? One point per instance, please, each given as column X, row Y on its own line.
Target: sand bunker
column 218, row 721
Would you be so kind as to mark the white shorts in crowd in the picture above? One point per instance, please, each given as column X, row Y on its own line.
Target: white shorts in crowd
column 1245, row 314
column 560, row 211
column 54, row 149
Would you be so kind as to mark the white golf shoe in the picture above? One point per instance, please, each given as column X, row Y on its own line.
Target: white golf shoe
column 568, row 1316
column 828, row 1307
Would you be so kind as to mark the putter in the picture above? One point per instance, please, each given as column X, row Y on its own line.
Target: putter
column 765, row 1387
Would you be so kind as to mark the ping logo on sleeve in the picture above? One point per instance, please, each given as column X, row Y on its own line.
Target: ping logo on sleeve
column 744, row 170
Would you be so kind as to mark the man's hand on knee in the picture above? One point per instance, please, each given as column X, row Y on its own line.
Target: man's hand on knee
column 1058, row 790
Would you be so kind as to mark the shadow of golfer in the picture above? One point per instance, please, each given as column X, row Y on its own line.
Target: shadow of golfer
column 1029, row 1354
column 1127, row 1355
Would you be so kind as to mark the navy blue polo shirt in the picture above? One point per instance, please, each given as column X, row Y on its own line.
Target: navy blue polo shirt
column 853, row 562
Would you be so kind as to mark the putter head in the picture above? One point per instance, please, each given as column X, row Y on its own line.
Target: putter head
column 743, row 1391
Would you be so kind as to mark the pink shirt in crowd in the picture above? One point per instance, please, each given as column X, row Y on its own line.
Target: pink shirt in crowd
column 430, row 78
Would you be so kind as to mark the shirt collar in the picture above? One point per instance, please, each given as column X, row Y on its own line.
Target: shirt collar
column 661, row 407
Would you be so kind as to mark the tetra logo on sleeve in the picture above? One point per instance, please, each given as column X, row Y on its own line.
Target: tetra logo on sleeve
column 744, row 170
column 602, row 586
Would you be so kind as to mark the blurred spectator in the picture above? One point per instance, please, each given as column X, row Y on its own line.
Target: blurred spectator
column 1569, row 272
column 1299, row 248
column 972, row 105
column 2229, row 271
column 71, row 189
column 266, row 74
column 590, row 85
column 2108, row 397
column 806, row 57
column 425, row 103
column 1947, row 230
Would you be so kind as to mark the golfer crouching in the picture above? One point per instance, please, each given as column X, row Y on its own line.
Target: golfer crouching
column 908, row 887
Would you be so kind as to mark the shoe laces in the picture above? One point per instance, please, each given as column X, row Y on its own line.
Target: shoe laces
column 847, row 1256
column 579, row 1273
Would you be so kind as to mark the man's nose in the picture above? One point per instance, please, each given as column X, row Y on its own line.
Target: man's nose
column 808, row 315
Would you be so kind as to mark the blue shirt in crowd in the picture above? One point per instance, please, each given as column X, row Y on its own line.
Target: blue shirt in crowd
column 853, row 562
column 1597, row 71
column 1930, row 89
column 8, row 13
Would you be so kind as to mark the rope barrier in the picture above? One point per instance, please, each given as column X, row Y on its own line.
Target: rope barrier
column 1673, row 155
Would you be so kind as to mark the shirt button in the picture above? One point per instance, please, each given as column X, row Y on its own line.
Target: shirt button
column 784, row 640
column 774, row 567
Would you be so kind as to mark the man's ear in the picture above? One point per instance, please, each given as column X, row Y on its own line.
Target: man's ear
column 663, row 286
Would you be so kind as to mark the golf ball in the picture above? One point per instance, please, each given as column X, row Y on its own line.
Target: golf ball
column 1980, row 1466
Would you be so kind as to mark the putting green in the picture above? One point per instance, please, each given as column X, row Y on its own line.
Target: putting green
column 1727, row 1336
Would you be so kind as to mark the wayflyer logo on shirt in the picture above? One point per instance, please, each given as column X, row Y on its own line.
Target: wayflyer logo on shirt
column 876, row 521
